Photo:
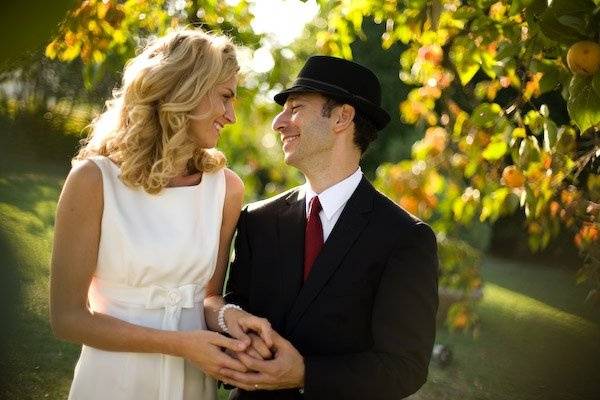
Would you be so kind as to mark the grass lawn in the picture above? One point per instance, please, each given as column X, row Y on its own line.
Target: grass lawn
column 537, row 339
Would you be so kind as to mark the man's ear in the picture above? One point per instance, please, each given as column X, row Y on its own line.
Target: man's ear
column 344, row 117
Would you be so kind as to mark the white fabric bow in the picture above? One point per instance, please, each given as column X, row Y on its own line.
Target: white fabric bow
column 173, row 301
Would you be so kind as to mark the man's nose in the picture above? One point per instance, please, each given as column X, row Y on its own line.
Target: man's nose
column 280, row 121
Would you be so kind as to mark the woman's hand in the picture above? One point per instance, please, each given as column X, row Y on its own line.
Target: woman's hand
column 205, row 350
column 254, row 331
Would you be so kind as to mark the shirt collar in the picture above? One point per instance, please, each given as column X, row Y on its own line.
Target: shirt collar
column 335, row 196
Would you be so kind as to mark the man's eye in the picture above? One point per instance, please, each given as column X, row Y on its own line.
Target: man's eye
column 294, row 108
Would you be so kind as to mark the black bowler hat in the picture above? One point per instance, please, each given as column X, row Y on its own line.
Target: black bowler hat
column 342, row 80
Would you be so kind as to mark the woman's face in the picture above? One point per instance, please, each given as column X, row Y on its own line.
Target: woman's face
column 213, row 113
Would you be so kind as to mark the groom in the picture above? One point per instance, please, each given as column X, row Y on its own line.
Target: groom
column 344, row 275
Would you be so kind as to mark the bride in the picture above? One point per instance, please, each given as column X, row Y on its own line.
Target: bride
column 143, row 231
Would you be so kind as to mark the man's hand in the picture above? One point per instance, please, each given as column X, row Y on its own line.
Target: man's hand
column 258, row 348
column 284, row 371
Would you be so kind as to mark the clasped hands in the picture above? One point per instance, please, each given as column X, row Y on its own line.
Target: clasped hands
column 270, row 361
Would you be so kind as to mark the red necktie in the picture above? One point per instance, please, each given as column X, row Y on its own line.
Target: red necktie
column 313, row 237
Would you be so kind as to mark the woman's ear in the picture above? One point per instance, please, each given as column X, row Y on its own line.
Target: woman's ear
column 344, row 117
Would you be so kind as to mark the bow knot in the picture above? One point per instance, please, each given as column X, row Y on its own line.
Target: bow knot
column 180, row 297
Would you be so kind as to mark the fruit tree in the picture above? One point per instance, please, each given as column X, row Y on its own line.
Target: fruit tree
column 508, row 95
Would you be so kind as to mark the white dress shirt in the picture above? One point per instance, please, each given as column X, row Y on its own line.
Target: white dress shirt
column 333, row 200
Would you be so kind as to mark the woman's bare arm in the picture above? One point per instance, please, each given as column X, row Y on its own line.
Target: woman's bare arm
column 239, row 322
column 232, row 206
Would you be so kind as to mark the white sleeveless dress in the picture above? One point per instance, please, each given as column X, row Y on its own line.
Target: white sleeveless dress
column 156, row 255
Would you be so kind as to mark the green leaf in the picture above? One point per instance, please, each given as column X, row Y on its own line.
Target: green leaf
column 550, row 80
column 519, row 133
column 568, row 21
column 488, row 62
column 70, row 53
column 471, row 168
column 566, row 141
column 465, row 57
column 550, row 134
column 573, row 22
column 507, row 50
column 486, row 115
column 493, row 204
column 495, row 150
column 420, row 150
column 511, row 203
column 534, row 120
column 584, row 103
column 596, row 83
column 529, row 151
column 534, row 243
column 515, row 7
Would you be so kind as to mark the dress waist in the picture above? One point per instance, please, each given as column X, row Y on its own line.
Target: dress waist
column 150, row 297
column 172, row 300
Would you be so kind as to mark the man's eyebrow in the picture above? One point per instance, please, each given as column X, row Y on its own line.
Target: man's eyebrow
column 291, row 98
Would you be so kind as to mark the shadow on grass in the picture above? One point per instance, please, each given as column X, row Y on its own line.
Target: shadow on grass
column 526, row 350
column 551, row 285
column 32, row 199
column 35, row 364
column 39, row 365
column 10, row 296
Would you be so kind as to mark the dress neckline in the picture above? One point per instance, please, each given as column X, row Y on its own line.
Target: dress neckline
column 169, row 188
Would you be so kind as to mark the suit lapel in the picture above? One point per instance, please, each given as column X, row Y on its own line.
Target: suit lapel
column 290, row 226
column 350, row 224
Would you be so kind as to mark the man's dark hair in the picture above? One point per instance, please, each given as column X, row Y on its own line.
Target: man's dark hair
column 364, row 130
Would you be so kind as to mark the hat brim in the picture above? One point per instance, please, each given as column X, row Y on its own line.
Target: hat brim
column 376, row 114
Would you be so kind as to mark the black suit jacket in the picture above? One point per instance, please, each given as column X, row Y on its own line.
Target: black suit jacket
column 364, row 320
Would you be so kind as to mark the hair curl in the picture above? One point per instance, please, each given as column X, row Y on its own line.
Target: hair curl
column 145, row 126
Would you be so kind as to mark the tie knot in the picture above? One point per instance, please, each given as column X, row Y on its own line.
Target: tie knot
column 314, row 206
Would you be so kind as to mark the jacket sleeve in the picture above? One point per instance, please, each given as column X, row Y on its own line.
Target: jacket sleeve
column 403, row 329
column 237, row 288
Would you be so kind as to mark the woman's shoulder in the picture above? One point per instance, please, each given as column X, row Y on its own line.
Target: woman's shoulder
column 234, row 186
column 84, row 182
column 86, row 172
column 233, row 182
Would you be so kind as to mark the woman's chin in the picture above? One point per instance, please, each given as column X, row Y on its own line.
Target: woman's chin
column 207, row 143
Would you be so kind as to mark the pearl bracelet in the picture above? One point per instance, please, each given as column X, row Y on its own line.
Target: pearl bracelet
column 221, row 316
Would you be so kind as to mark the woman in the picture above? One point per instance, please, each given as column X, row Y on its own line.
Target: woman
column 143, row 231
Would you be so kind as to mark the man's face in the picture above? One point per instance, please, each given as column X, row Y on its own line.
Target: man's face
column 305, row 132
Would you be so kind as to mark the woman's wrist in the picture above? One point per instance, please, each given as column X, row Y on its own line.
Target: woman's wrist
column 221, row 316
column 175, row 343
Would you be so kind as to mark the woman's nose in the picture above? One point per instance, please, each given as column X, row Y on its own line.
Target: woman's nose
column 230, row 113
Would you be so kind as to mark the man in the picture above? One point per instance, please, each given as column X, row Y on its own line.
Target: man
column 347, row 277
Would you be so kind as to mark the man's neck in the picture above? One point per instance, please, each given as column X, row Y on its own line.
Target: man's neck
column 324, row 178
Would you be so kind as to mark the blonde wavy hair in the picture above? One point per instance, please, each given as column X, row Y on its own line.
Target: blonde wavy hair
column 145, row 126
